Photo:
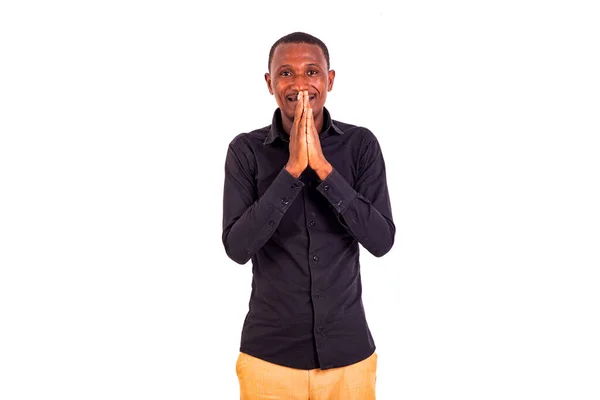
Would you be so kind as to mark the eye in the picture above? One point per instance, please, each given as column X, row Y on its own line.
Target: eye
column 313, row 72
column 285, row 73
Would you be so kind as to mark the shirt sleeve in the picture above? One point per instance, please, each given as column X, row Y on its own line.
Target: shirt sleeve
column 364, row 210
column 249, row 221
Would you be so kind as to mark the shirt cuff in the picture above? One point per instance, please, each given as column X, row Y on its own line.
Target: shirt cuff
column 337, row 190
column 285, row 189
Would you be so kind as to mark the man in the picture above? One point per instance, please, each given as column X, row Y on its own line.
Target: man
column 299, row 196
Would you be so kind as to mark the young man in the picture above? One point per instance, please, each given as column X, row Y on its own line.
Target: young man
column 299, row 197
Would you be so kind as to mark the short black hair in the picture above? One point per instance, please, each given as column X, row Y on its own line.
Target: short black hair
column 299, row 37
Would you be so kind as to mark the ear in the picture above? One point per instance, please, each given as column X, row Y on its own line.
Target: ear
column 268, row 80
column 331, row 76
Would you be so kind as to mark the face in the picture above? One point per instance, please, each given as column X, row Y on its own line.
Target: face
column 296, row 67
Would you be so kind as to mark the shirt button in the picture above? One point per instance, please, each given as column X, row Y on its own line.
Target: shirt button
column 318, row 295
column 321, row 331
column 339, row 203
column 312, row 223
column 271, row 223
column 326, row 187
column 309, row 184
column 284, row 201
column 315, row 258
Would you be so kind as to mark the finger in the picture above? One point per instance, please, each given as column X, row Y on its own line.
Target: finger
column 299, row 107
column 302, row 125
column 304, row 100
column 310, row 125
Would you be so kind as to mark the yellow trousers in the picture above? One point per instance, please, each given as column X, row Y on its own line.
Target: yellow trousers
column 262, row 380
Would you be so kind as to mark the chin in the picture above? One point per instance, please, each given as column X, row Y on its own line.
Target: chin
column 287, row 113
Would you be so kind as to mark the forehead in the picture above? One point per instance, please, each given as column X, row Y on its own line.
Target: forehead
column 297, row 54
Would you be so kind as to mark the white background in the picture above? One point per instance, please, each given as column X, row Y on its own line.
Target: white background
column 115, row 118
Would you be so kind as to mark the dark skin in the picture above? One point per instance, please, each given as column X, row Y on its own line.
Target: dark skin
column 299, row 79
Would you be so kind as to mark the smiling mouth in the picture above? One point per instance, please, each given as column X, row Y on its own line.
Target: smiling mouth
column 294, row 97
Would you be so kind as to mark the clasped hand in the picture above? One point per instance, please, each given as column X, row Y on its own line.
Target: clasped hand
column 305, row 146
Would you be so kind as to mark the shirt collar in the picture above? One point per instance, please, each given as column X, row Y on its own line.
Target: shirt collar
column 276, row 128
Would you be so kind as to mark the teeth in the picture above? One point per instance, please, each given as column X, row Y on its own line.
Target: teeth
column 293, row 98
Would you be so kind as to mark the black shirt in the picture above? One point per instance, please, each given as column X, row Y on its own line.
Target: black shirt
column 302, row 235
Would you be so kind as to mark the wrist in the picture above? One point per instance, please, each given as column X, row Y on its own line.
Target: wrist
column 295, row 172
column 324, row 171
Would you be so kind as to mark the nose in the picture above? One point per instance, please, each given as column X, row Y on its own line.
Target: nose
column 300, row 82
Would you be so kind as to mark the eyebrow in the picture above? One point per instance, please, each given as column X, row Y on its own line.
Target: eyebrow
column 289, row 66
